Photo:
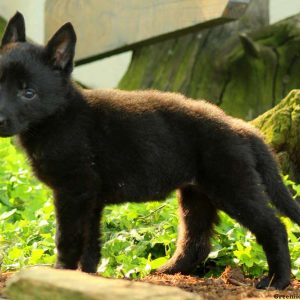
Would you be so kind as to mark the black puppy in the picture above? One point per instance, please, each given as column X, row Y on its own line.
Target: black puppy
column 95, row 147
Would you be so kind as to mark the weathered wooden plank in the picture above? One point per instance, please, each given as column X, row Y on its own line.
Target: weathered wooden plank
column 106, row 27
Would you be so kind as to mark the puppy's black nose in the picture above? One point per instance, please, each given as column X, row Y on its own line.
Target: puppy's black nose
column 3, row 121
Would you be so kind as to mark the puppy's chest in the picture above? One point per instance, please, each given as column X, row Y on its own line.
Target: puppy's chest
column 43, row 166
column 47, row 162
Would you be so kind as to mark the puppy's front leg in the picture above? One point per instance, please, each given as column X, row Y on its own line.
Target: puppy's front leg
column 91, row 249
column 72, row 215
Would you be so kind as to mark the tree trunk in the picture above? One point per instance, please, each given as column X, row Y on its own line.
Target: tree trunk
column 281, row 129
column 244, row 75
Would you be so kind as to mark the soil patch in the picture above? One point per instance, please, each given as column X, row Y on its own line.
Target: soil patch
column 232, row 285
column 3, row 279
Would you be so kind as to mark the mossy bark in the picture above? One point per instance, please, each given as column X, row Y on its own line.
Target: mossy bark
column 281, row 129
column 245, row 79
column 2, row 26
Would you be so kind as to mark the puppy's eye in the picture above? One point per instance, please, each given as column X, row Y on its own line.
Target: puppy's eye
column 28, row 93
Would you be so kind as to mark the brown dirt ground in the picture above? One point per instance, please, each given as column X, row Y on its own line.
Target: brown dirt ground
column 231, row 285
column 3, row 278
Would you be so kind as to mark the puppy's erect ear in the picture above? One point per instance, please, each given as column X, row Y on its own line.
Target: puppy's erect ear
column 15, row 30
column 60, row 49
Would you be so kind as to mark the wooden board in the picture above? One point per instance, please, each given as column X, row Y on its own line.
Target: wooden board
column 107, row 27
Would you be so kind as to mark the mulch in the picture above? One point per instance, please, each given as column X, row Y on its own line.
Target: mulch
column 231, row 285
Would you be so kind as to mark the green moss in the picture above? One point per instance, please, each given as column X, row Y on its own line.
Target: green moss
column 281, row 129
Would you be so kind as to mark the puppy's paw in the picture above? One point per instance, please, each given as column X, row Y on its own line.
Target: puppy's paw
column 278, row 284
column 173, row 267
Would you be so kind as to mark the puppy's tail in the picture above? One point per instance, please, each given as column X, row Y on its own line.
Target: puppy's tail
column 267, row 168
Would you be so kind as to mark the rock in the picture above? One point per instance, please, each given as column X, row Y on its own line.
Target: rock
column 41, row 283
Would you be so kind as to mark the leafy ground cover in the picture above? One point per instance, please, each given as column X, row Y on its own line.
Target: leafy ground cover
column 137, row 238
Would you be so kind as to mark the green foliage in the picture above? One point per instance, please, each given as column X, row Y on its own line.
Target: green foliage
column 26, row 213
column 137, row 238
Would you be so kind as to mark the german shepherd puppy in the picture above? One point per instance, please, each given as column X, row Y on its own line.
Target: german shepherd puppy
column 96, row 147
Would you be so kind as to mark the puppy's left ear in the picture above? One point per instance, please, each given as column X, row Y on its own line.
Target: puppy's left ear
column 15, row 30
column 60, row 49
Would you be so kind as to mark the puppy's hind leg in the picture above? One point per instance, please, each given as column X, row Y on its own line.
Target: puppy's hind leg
column 196, row 219
column 249, row 206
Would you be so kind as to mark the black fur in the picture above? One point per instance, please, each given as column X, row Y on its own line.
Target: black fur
column 95, row 147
